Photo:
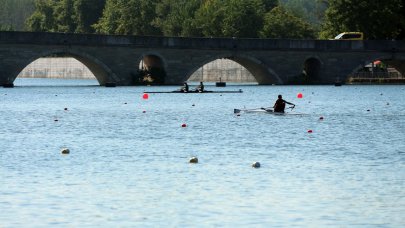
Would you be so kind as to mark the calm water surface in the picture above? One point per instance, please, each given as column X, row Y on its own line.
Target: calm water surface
column 128, row 168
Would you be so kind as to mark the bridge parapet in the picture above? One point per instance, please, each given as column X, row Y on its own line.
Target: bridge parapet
column 45, row 38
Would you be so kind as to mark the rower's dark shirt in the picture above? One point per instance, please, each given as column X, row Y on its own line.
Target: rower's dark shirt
column 279, row 106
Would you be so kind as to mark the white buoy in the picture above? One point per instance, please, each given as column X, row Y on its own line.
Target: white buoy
column 65, row 151
column 193, row 160
column 256, row 164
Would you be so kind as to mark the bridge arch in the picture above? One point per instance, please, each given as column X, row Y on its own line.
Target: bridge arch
column 102, row 72
column 312, row 69
column 152, row 68
column 397, row 62
column 262, row 73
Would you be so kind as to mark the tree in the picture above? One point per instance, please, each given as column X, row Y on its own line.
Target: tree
column 401, row 26
column 270, row 4
column 243, row 18
column 177, row 17
column 65, row 15
column 381, row 19
column 128, row 17
column 6, row 27
column 87, row 13
column 279, row 23
column 231, row 18
column 309, row 10
column 13, row 13
column 43, row 17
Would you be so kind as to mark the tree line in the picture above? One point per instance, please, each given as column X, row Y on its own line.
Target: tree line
column 297, row 19
column 13, row 13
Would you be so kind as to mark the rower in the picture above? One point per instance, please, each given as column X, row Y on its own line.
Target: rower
column 200, row 88
column 184, row 88
column 279, row 106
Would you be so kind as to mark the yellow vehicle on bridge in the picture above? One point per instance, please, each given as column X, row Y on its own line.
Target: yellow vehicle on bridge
column 350, row 36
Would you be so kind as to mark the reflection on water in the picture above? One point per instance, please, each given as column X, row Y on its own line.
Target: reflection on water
column 130, row 168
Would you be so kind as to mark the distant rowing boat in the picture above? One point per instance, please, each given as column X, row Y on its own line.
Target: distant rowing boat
column 258, row 110
column 265, row 111
column 192, row 91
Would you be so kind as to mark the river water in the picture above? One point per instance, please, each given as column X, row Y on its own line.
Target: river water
column 128, row 163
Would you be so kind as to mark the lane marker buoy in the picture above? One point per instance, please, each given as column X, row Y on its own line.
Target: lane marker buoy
column 193, row 160
column 256, row 164
column 65, row 151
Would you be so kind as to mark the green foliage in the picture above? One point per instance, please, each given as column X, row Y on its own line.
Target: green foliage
column 177, row 17
column 42, row 19
column 14, row 12
column 6, row 28
column 401, row 35
column 381, row 19
column 230, row 18
column 310, row 10
column 65, row 15
column 279, row 23
column 87, row 13
column 128, row 17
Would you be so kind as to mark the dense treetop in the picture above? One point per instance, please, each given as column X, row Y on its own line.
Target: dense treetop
column 382, row 19
column 296, row 19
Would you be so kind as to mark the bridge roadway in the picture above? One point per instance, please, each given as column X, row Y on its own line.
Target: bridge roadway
column 116, row 59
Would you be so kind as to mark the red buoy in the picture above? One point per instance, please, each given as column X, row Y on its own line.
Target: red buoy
column 184, row 125
column 309, row 131
column 321, row 118
column 145, row 96
column 299, row 95
column 143, row 111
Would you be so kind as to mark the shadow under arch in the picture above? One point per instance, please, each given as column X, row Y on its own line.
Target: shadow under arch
column 398, row 63
column 152, row 69
column 101, row 72
column 312, row 69
column 262, row 74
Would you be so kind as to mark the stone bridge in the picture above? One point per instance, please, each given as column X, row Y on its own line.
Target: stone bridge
column 127, row 60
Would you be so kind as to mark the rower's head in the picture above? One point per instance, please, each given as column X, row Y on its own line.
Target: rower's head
column 279, row 96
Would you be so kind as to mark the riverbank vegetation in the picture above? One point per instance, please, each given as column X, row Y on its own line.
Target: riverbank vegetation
column 297, row 19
